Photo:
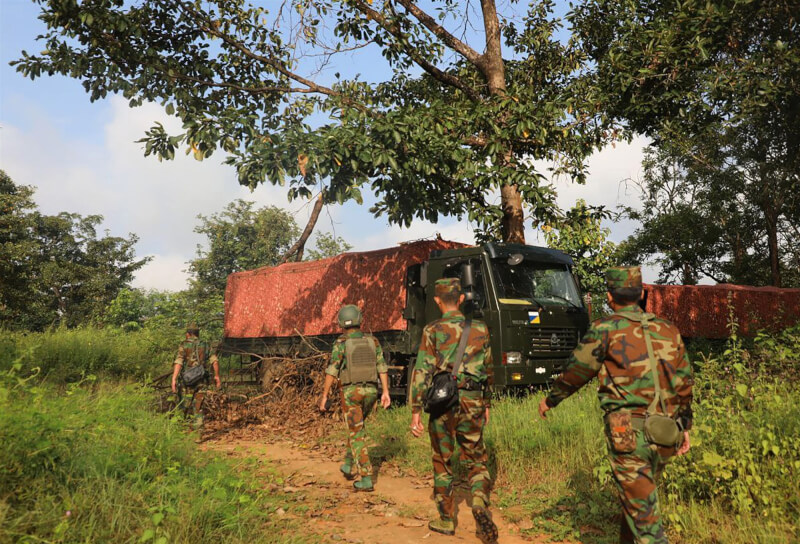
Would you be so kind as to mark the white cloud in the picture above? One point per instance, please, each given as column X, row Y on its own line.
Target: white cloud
column 163, row 272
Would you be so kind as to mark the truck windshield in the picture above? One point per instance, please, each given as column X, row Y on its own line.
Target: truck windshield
column 537, row 282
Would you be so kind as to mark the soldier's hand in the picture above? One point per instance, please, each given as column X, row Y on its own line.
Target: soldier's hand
column 218, row 382
column 386, row 400
column 543, row 408
column 685, row 446
column 174, row 387
column 486, row 416
column 322, row 403
column 416, row 425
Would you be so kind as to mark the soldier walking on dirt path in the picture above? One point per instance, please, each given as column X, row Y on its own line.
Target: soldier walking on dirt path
column 464, row 423
column 192, row 353
column 357, row 360
column 645, row 391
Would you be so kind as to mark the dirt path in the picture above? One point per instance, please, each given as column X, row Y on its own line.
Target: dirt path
column 397, row 512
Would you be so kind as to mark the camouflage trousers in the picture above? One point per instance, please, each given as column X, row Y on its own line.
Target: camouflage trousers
column 636, row 475
column 463, row 425
column 190, row 401
column 357, row 403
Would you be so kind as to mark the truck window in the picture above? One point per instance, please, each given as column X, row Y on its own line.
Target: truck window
column 541, row 283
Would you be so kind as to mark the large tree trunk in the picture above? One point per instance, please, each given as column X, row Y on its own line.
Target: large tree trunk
column 299, row 246
column 493, row 68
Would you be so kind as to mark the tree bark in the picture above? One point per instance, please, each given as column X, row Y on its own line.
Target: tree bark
column 493, row 68
column 771, row 216
column 299, row 246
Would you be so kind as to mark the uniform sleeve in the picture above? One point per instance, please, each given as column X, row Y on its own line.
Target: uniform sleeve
column 179, row 360
column 383, row 368
column 337, row 356
column 488, row 362
column 426, row 361
column 684, row 383
column 583, row 365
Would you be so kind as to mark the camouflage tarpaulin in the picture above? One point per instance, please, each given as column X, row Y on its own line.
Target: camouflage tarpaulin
column 304, row 298
column 704, row 311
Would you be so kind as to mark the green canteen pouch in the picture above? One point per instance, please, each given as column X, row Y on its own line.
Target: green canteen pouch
column 662, row 430
column 621, row 431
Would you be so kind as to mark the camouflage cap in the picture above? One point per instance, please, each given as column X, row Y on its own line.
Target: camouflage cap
column 192, row 328
column 447, row 286
column 624, row 277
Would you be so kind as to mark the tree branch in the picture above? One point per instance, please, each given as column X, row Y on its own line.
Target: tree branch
column 440, row 32
column 299, row 246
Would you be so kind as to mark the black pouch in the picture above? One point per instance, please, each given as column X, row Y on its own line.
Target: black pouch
column 620, row 430
column 193, row 375
column 442, row 395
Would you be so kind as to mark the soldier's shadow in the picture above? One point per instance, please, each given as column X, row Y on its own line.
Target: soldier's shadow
column 386, row 449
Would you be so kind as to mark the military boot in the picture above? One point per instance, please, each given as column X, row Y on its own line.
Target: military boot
column 443, row 526
column 364, row 484
column 347, row 470
column 485, row 530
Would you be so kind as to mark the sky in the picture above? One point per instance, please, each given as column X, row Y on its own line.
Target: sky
column 83, row 157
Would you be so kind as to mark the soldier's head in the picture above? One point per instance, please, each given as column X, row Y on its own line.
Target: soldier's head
column 448, row 294
column 624, row 285
column 192, row 329
column 349, row 317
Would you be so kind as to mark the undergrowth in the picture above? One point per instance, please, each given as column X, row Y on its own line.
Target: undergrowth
column 94, row 463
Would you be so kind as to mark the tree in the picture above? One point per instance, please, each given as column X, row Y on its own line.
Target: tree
column 240, row 238
column 716, row 81
column 454, row 124
column 60, row 271
column 328, row 245
column 581, row 235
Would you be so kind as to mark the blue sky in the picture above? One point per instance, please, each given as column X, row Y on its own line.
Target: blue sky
column 82, row 157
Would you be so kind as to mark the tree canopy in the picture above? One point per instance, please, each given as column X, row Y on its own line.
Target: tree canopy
column 56, row 269
column 468, row 102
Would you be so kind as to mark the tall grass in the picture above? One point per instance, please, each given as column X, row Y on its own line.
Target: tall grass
column 65, row 355
column 96, row 464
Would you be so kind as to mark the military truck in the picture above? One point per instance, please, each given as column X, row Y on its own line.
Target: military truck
column 527, row 295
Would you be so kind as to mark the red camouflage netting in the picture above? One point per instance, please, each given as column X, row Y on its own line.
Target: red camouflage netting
column 703, row 311
column 304, row 298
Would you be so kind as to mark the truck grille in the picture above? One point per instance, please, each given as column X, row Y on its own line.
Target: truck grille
column 546, row 342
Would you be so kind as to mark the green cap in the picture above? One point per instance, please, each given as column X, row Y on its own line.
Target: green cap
column 192, row 328
column 620, row 277
column 447, row 286
column 349, row 316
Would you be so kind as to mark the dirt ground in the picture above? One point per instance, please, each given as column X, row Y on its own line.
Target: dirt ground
column 396, row 512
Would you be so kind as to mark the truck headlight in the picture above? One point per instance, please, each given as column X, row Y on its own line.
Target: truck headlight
column 512, row 357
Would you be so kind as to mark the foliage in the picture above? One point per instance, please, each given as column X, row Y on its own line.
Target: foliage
column 95, row 464
column 718, row 84
column 240, row 238
column 69, row 355
column 581, row 235
column 450, row 122
column 59, row 270
column 328, row 245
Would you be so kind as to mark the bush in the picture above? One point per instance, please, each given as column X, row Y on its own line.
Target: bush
column 97, row 465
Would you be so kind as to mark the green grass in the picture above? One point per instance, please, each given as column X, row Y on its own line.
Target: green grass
column 68, row 355
column 96, row 464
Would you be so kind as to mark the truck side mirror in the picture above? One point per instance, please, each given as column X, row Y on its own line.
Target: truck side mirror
column 467, row 275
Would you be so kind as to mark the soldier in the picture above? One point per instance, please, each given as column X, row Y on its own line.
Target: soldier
column 646, row 419
column 191, row 353
column 464, row 422
column 357, row 360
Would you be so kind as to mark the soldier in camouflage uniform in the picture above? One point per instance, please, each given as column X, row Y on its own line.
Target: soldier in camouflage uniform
column 616, row 350
column 193, row 352
column 465, row 422
column 357, row 361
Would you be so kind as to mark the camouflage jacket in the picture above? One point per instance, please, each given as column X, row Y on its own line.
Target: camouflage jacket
column 337, row 353
column 194, row 352
column 615, row 351
column 437, row 352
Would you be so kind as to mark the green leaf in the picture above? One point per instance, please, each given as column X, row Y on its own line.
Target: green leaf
column 147, row 535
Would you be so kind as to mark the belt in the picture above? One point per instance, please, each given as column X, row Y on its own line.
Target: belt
column 363, row 384
column 472, row 386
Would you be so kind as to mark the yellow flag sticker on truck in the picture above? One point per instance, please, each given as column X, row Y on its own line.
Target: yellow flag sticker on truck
column 533, row 318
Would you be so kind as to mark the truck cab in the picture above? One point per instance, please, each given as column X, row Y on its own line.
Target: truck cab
column 527, row 296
